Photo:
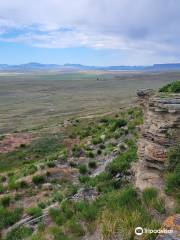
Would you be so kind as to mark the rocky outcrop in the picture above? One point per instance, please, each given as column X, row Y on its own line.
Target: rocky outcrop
column 161, row 120
column 171, row 227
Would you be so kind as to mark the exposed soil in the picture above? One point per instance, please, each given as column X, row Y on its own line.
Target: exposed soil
column 12, row 141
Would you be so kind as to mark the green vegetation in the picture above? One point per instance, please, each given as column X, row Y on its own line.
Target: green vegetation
column 39, row 150
column 173, row 87
column 5, row 201
column 19, row 233
column 122, row 163
column 9, row 217
column 92, row 164
column 83, row 169
column 34, row 211
column 172, row 176
column 150, row 198
column 38, row 179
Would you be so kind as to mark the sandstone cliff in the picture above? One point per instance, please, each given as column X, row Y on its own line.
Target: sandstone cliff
column 158, row 133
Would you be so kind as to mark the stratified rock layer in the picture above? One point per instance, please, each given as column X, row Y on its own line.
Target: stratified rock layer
column 161, row 120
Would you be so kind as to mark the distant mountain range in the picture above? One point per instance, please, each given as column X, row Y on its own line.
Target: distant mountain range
column 78, row 67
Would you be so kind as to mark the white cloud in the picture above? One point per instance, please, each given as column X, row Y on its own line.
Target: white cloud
column 145, row 25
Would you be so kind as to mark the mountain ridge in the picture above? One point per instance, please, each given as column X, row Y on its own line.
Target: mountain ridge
column 32, row 66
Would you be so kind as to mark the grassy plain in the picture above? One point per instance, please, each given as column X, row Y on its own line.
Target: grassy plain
column 35, row 100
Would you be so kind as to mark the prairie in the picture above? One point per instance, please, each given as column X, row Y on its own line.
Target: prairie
column 31, row 100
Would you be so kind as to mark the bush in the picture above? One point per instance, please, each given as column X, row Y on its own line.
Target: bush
column 23, row 184
column 42, row 205
column 92, row 164
column 77, row 151
column 34, row 211
column 83, row 169
column 38, row 179
column 57, row 234
column 96, row 141
column 173, row 87
column 90, row 154
column 73, row 164
column 122, row 162
column 75, row 228
column 1, row 188
column 118, row 124
column 5, row 201
column 9, row 217
column 56, row 216
column 51, row 164
column 99, row 151
column 19, row 233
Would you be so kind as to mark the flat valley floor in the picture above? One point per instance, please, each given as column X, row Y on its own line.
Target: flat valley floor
column 29, row 101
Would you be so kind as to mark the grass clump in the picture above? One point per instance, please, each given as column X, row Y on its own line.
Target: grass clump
column 19, row 233
column 5, row 201
column 38, row 179
column 173, row 87
column 122, row 162
column 9, row 217
column 83, row 169
column 92, row 164
column 34, row 211
column 151, row 200
column 172, row 175
column 57, row 216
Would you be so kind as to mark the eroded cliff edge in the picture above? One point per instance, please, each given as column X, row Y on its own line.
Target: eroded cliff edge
column 160, row 131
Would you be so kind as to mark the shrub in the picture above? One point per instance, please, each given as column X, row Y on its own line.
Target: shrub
column 57, row 196
column 118, row 124
column 75, row 228
column 96, row 141
column 172, row 182
column 122, row 162
column 5, row 201
column 1, row 188
column 102, row 146
column 42, row 205
column 51, row 164
column 92, row 164
column 173, row 87
column 90, row 154
column 83, row 169
column 73, row 164
column 23, row 184
column 38, row 179
column 19, row 233
column 34, row 211
column 30, row 169
column 77, row 151
column 9, row 217
column 12, row 184
column 99, row 151
column 58, row 234
column 57, row 216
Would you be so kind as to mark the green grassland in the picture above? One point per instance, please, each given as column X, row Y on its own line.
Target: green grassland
column 65, row 158
column 35, row 100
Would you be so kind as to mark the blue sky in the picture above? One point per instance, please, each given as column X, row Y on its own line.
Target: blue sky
column 103, row 32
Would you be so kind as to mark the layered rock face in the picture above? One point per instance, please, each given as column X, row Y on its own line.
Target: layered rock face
column 161, row 121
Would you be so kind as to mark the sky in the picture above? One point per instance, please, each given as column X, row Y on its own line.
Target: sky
column 90, row 32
